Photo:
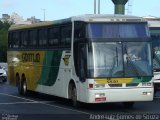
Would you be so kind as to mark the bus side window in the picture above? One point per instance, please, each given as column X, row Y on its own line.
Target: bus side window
column 42, row 35
column 24, row 38
column 10, row 40
column 54, row 37
column 33, row 38
column 16, row 40
column 66, row 33
column 79, row 31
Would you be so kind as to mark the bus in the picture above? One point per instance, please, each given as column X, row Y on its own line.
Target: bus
column 85, row 58
column 154, row 26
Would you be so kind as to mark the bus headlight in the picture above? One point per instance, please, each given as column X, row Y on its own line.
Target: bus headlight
column 147, row 84
column 147, row 93
column 98, row 95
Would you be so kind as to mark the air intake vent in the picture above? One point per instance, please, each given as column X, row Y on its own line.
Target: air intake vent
column 132, row 85
column 115, row 85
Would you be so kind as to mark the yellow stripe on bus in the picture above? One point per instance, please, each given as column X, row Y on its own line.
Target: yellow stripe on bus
column 113, row 80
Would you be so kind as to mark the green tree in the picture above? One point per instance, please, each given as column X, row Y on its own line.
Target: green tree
column 4, row 26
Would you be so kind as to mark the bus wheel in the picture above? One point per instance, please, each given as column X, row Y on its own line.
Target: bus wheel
column 24, row 87
column 74, row 97
column 128, row 104
column 18, row 84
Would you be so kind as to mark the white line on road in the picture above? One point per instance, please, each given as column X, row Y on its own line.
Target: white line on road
column 17, row 97
column 40, row 102
column 67, row 108
column 12, row 103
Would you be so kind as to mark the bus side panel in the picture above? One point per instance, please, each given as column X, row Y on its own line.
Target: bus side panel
column 54, row 80
column 28, row 63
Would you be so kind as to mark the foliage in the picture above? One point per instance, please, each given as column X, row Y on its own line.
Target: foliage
column 4, row 26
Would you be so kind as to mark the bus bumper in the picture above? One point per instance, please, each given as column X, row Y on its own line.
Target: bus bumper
column 120, row 95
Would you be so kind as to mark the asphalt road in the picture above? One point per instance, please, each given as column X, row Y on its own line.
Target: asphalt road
column 44, row 107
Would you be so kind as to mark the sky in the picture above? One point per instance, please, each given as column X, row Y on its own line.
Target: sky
column 59, row 9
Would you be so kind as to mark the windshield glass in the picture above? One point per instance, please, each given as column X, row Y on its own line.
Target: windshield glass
column 137, row 60
column 156, row 48
column 117, row 30
column 104, row 58
column 119, row 59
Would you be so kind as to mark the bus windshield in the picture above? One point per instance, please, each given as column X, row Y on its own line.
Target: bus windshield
column 119, row 59
column 156, row 48
column 117, row 30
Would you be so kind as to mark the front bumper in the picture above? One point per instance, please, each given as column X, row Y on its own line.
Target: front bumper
column 121, row 95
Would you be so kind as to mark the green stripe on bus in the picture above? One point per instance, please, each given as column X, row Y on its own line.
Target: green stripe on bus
column 141, row 79
column 146, row 79
column 51, row 68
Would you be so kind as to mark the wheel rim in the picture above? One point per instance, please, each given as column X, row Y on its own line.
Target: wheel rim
column 24, row 87
column 74, row 96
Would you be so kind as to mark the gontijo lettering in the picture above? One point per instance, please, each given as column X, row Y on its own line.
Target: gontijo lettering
column 30, row 57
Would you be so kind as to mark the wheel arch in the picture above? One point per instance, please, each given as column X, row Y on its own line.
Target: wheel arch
column 70, row 86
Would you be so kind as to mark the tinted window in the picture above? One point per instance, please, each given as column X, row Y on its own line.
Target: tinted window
column 16, row 40
column 10, row 40
column 117, row 30
column 42, row 37
column 24, row 39
column 53, row 36
column 33, row 37
column 66, row 36
column 79, row 31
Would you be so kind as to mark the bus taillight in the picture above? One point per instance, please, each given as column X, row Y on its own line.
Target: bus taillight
column 90, row 86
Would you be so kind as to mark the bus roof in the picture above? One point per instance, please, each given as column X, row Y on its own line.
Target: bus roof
column 155, row 24
column 107, row 18
column 85, row 18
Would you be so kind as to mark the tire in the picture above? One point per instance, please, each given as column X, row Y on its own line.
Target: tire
column 4, row 79
column 23, row 87
column 128, row 104
column 75, row 103
column 18, row 84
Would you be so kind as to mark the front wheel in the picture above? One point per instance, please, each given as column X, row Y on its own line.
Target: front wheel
column 74, row 97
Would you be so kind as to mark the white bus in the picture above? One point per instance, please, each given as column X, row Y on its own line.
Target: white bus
column 87, row 58
column 154, row 26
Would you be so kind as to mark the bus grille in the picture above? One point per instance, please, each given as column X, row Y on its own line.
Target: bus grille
column 132, row 84
column 127, row 85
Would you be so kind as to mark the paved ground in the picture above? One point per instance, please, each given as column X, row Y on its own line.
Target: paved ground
column 44, row 107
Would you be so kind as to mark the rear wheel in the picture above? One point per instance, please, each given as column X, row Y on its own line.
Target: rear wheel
column 24, row 87
column 21, row 85
column 18, row 84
